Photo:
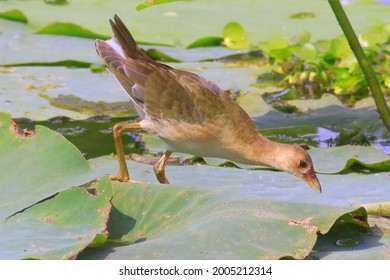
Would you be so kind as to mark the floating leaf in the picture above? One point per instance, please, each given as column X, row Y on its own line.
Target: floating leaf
column 33, row 167
column 253, row 104
column 191, row 223
column 160, row 56
column 56, row 2
column 304, row 52
column 14, row 14
column 59, row 227
column 70, row 29
column 206, row 42
column 276, row 47
column 234, row 36
column 379, row 208
column 150, row 3
column 355, row 239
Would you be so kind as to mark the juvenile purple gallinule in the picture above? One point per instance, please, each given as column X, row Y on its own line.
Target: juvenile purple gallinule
column 190, row 114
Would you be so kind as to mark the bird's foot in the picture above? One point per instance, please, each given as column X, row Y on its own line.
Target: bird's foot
column 121, row 178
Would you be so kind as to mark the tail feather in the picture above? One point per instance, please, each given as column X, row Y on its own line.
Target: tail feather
column 129, row 64
column 115, row 63
column 126, row 40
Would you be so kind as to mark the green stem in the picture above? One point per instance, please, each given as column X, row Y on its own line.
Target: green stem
column 369, row 74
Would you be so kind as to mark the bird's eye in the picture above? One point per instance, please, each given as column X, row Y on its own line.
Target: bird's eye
column 302, row 163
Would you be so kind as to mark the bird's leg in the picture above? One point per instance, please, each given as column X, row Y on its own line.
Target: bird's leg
column 117, row 131
column 159, row 168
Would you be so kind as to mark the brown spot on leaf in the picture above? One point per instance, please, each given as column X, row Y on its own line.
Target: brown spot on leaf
column 22, row 133
column 49, row 220
column 306, row 223
column 92, row 189
column 105, row 211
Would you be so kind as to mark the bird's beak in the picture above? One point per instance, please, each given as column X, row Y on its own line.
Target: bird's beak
column 311, row 178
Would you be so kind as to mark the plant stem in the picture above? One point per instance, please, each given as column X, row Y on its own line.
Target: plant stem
column 369, row 74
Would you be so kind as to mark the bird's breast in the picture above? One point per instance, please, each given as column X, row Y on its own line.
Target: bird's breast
column 210, row 139
column 196, row 139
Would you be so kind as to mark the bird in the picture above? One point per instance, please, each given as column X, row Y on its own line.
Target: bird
column 190, row 114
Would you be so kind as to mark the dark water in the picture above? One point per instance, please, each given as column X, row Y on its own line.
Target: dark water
column 93, row 137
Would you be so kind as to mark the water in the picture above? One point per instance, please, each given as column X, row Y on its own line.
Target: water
column 93, row 137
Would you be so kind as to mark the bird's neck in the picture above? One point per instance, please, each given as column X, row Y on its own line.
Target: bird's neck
column 261, row 151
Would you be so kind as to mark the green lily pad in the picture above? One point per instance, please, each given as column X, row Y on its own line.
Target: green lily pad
column 148, row 4
column 42, row 214
column 33, row 167
column 243, row 194
column 178, row 222
column 353, row 242
column 379, row 208
column 41, row 93
column 200, row 214
column 305, row 52
column 234, row 36
column 59, row 227
column 253, row 104
column 209, row 41
column 348, row 158
column 22, row 47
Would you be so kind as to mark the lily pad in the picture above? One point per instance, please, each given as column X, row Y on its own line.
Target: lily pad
column 148, row 4
column 21, row 47
column 357, row 243
column 380, row 208
column 28, row 92
column 188, row 223
column 59, row 227
column 33, row 167
column 204, row 213
column 351, row 159
column 234, row 36
column 42, row 214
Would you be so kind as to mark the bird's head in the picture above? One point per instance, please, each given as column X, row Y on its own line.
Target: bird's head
column 298, row 162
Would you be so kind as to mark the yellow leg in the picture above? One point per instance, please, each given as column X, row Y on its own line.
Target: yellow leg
column 118, row 129
column 159, row 168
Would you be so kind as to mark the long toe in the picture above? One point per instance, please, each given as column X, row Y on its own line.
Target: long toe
column 120, row 178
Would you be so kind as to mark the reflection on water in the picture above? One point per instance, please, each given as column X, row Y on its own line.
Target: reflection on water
column 323, row 135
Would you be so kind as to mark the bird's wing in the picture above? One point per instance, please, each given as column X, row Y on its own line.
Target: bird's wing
column 161, row 92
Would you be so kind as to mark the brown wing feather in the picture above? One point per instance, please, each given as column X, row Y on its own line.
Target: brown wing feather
column 164, row 93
